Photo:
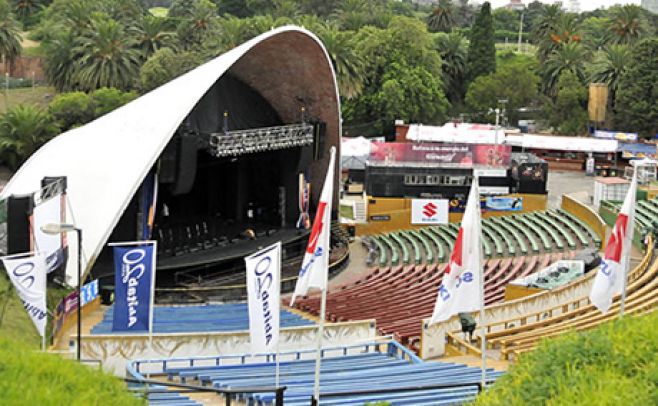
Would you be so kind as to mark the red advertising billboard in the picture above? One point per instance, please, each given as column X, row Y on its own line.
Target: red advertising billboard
column 462, row 155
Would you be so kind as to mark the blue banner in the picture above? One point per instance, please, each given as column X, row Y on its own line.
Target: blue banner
column 89, row 292
column 133, row 279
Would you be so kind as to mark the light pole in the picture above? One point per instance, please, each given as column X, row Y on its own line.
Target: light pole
column 53, row 228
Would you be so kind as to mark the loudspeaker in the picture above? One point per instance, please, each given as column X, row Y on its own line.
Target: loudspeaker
column 167, row 170
column 185, row 165
column 319, row 133
column 19, row 209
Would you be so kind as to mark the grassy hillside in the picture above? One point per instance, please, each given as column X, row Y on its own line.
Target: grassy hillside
column 29, row 377
column 615, row 364
column 16, row 324
column 39, row 96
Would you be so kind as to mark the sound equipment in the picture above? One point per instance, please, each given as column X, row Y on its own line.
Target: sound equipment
column 186, row 160
column 319, row 134
column 19, row 209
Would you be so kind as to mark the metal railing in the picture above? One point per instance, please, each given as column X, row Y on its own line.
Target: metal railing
column 227, row 393
column 233, row 143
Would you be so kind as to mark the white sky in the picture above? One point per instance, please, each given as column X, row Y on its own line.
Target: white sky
column 584, row 4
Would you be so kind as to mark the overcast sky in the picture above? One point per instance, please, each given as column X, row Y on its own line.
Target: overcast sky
column 584, row 4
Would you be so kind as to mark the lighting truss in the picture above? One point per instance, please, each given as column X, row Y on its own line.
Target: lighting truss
column 234, row 143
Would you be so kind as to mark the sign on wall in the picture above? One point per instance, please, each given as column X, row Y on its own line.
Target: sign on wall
column 459, row 155
column 429, row 211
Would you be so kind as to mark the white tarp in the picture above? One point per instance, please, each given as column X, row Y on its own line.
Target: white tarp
column 461, row 133
column 106, row 160
column 264, row 294
column 569, row 143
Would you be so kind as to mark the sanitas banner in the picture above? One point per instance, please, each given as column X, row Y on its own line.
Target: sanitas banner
column 263, row 290
column 28, row 274
column 134, row 267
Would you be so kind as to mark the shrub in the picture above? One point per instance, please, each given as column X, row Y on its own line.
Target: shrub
column 71, row 109
column 107, row 99
column 616, row 363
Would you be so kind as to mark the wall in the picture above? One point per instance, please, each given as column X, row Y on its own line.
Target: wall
column 26, row 67
column 586, row 214
column 114, row 351
column 399, row 212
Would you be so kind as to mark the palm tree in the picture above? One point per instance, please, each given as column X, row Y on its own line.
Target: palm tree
column 570, row 56
column 453, row 50
column 108, row 57
column 442, row 17
column 546, row 22
column 199, row 22
column 10, row 39
column 608, row 68
column 23, row 129
column 24, row 9
column 347, row 63
column 627, row 24
column 60, row 62
column 565, row 29
column 152, row 35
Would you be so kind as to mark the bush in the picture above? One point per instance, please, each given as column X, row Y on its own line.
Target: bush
column 29, row 377
column 614, row 364
column 107, row 99
column 71, row 109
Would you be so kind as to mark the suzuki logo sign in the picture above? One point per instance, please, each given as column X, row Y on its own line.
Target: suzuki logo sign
column 429, row 211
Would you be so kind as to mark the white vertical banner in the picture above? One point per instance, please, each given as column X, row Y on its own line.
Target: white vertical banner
column 264, row 298
column 315, row 265
column 28, row 274
column 48, row 211
column 611, row 277
column 462, row 279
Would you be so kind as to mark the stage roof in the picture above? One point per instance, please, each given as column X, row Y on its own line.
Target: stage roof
column 106, row 160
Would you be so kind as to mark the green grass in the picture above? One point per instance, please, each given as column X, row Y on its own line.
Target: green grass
column 16, row 324
column 39, row 96
column 615, row 364
column 159, row 11
column 29, row 377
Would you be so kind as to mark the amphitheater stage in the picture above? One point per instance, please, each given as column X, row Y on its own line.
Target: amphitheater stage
column 236, row 250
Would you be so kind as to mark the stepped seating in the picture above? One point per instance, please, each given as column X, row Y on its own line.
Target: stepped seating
column 515, row 336
column 400, row 293
column 370, row 367
column 161, row 396
column 519, row 234
column 205, row 318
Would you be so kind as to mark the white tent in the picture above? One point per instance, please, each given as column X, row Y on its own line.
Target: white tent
column 106, row 160
column 354, row 152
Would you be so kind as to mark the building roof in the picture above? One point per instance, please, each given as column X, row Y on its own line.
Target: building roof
column 106, row 160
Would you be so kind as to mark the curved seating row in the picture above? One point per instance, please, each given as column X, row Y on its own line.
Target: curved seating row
column 521, row 334
column 519, row 234
column 204, row 318
column 375, row 369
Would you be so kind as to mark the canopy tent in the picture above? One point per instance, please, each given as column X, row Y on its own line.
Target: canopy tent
column 354, row 152
column 106, row 160
column 560, row 143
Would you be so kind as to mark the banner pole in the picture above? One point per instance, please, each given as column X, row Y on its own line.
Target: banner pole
column 628, row 243
column 152, row 304
column 43, row 337
column 483, row 330
column 318, row 354
column 276, row 371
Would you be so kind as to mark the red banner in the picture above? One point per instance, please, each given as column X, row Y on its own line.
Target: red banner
column 464, row 155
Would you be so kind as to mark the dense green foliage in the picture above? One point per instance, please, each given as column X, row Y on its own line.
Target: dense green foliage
column 614, row 364
column 482, row 49
column 637, row 100
column 28, row 377
column 23, row 129
column 568, row 111
column 393, row 59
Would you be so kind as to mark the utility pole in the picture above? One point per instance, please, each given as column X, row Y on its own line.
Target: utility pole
column 520, row 32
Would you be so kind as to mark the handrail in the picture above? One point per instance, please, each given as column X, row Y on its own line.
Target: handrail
column 226, row 392
column 405, row 389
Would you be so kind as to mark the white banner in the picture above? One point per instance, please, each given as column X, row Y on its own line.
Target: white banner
column 315, row 265
column 28, row 274
column 460, row 289
column 429, row 211
column 49, row 211
column 263, row 291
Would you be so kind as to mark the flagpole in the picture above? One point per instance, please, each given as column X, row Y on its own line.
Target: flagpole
column 318, row 354
column 43, row 337
column 627, row 252
column 276, row 370
column 152, row 304
column 483, row 330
